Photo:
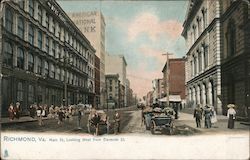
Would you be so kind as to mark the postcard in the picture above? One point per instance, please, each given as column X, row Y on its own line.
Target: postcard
column 124, row 79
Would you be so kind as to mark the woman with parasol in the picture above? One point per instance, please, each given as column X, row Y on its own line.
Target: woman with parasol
column 231, row 113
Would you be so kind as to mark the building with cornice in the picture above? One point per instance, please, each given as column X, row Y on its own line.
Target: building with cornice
column 202, row 32
column 45, row 57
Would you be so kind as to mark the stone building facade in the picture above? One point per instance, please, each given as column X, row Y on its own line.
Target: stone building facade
column 235, row 59
column 92, row 24
column 113, row 91
column 202, row 32
column 44, row 56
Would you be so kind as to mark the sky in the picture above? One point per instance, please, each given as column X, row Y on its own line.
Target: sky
column 142, row 31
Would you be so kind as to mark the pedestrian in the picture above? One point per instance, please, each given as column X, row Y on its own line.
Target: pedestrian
column 95, row 121
column 176, row 110
column 60, row 116
column 32, row 110
column 207, row 115
column 117, row 122
column 11, row 112
column 231, row 114
column 17, row 110
column 214, row 116
column 39, row 115
column 198, row 115
column 79, row 117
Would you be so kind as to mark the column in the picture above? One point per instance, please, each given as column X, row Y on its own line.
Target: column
column 204, row 94
column 198, row 94
column 209, row 91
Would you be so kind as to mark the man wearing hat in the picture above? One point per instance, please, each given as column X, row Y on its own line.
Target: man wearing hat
column 198, row 115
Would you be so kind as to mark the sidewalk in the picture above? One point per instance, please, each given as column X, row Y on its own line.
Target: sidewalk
column 6, row 120
column 219, row 126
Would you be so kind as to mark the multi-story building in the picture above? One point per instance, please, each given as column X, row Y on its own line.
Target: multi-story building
column 235, row 57
column 158, row 90
column 92, row 24
column 44, row 55
column 116, row 64
column 97, row 82
column 113, row 91
column 202, row 32
column 175, row 82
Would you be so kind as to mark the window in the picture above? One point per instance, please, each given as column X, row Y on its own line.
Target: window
column 39, row 66
column 53, row 27
column 205, row 56
column 110, row 88
column 52, row 71
column 57, row 73
column 8, row 54
column 46, row 69
column 204, row 18
column 47, row 44
column 31, row 63
column 231, row 39
column 31, row 7
column 62, row 75
column 31, row 94
column 54, row 48
column 110, row 81
column 40, row 14
column 20, row 27
column 20, row 58
column 59, row 31
column 47, row 21
column 31, row 34
column 9, row 20
column 191, row 66
column 200, row 60
column 20, row 91
column 195, row 65
column 21, row 3
column 40, row 40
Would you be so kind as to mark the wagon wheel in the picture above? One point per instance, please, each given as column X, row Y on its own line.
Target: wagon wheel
column 152, row 127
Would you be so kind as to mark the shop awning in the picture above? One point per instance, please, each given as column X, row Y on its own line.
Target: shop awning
column 172, row 98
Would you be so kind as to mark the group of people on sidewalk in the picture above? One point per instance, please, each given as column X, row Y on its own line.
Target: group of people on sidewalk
column 209, row 113
column 14, row 111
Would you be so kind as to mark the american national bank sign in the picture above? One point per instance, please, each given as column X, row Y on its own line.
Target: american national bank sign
column 87, row 21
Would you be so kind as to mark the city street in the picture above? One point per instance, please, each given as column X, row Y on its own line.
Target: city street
column 130, row 124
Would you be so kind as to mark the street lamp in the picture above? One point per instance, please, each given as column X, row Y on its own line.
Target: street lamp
column 167, row 76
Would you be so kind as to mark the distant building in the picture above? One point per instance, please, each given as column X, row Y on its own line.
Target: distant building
column 113, row 99
column 92, row 24
column 158, row 90
column 175, row 82
column 116, row 64
column 44, row 56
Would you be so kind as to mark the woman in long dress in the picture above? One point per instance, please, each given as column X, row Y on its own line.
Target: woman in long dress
column 231, row 113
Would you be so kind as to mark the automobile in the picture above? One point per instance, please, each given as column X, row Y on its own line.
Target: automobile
column 140, row 105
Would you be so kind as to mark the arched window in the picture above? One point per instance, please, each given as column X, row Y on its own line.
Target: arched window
column 31, row 94
column 20, row 92
column 40, row 40
column 8, row 54
column 231, row 38
column 9, row 20
column 40, row 15
column 20, row 58
column 20, row 27
column 31, row 63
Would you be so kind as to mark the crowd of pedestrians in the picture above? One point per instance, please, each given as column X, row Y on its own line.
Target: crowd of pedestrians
column 209, row 113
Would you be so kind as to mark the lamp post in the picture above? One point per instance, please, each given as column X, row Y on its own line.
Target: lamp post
column 167, row 76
